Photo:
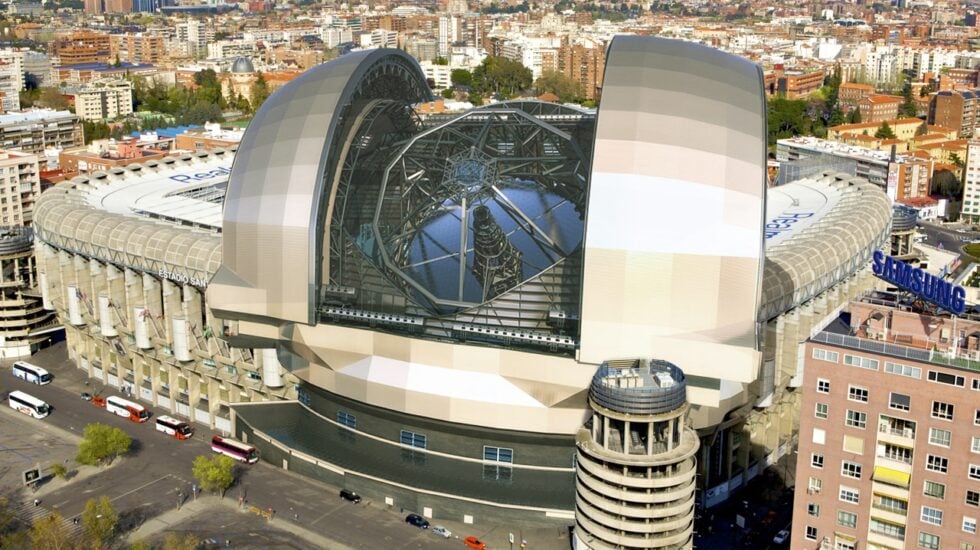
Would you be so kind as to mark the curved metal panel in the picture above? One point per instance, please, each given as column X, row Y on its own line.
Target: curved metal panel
column 274, row 207
column 674, row 230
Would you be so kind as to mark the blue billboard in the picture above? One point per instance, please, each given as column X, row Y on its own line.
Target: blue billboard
column 923, row 284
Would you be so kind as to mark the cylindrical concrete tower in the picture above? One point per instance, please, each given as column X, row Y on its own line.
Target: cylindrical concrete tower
column 635, row 470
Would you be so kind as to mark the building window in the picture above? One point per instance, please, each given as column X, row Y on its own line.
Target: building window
column 929, row 541
column 814, row 485
column 932, row 516
column 819, row 436
column 969, row 525
column 816, row 460
column 974, row 471
column 939, row 437
column 344, row 418
column 936, row 463
column 847, row 519
column 972, row 498
column 825, row 355
column 887, row 529
column 850, row 469
column 813, row 509
column 853, row 444
column 862, row 362
column 976, row 417
column 976, row 384
column 413, row 439
column 889, row 504
column 855, row 393
column 934, row 490
column 498, row 454
column 975, row 444
column 856, row 419
column 848, row 494
column 899, row 402
column 822, row 410
column 942, row 411
column 903, row 370
column 823, row 386
column 944, row 378
column 811, row 532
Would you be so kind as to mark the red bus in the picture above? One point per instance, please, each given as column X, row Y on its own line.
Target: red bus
column 234, row 449
column 127, row 409
column 171, row 426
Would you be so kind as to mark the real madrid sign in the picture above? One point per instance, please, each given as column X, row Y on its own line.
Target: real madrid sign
column 919, row 282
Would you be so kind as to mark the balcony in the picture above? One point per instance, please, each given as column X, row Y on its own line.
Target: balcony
column 896, row 434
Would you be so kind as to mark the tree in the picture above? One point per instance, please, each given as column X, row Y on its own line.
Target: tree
column 59, row 470
column 94, row 129
column 143, row 545
column 259, row 92
column 99, row 520
column 946, row 183
column 214, row 473
column 908, row 108
column 854, row 117
column 565, row 88
column 501, row 75
column 448, row 93
column 786, row 119
column 102, row 443
column 52, row 99
column 50, row 533
column 440, row 61
column 461, row 77
column 176, row 542
column 885, row 131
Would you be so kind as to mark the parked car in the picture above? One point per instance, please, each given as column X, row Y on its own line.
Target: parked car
column 86, row 396
column 474, row 543
column 350, row 496
column 417, row 521
column 442, row 531
column 98, row 401
column 781, row 537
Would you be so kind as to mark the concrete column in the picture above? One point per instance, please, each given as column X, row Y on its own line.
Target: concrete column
column 605, row 432
column 153, row 299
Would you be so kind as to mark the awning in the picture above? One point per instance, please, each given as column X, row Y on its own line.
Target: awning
column 845, row 537
column 891, row 477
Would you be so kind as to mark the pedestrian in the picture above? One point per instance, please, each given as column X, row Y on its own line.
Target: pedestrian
column 296, row 517
column 37, row 502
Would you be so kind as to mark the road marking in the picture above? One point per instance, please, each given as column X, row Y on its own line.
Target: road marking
column 141, row 487
column 325, row 514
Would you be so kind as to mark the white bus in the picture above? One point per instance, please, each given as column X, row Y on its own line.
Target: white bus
column 127, row 409
column 234, row 449
column 171, row 426
column 28, row 404
column 31, row 373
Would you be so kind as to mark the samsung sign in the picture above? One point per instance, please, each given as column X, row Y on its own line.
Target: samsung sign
column 917, row 281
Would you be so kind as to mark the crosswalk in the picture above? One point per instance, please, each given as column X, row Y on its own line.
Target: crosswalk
column 28, row 513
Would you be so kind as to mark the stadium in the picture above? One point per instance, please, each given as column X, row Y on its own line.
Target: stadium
column 417, row 307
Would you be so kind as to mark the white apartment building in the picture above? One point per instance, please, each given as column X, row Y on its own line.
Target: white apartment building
column 332, row 37
column 971, row 183
column 192, row 38
column 440, row 74
column 20, row 183
column 449, row 33
column 230, row 49
column 10, row 79
column 379, row 38
column 104, row 99
column 880, row 65
column 15, row 58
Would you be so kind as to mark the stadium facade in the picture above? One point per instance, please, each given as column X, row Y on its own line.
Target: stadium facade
column 417, row 307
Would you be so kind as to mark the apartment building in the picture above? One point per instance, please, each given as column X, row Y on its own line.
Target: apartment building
column 971, row 183
column 11, row 78
column 889, row 452
column 955, row 109
column 850, row 93
column 33, row 131
column 585, row 63
column 879, row 107
column 104, row 99
column 793, row 84
column 138, row 48
column 82, row 47
column 20, row 184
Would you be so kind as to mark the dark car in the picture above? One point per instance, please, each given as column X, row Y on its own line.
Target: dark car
column 86, row 396
column 417, row 521
column 350, row 496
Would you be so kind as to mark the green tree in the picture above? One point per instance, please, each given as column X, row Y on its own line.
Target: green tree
column 448, row 93
column 101, row 444
column 50, row 533
column 99, row 520
column 143, row 545
column 461, row 77
column 908, row 108
column 786, row 118
column 440, row 61
column 59, row 471
column 885, row 131
column 946, row 183
column 259, row 92
column 94, row 130
column 501, row 75
column 177, row 542
column 565, row 88
column 214, row 473
column 854, row 117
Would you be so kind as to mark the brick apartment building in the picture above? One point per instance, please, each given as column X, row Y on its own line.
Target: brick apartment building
column 793, row 84
column 889, row 452
column 138, row 48
column 879, row 108
column 82, row 47
column 955, row 109
column 583, row 64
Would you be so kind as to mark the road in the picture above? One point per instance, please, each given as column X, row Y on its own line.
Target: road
column 952, row 237
column 147, row 482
